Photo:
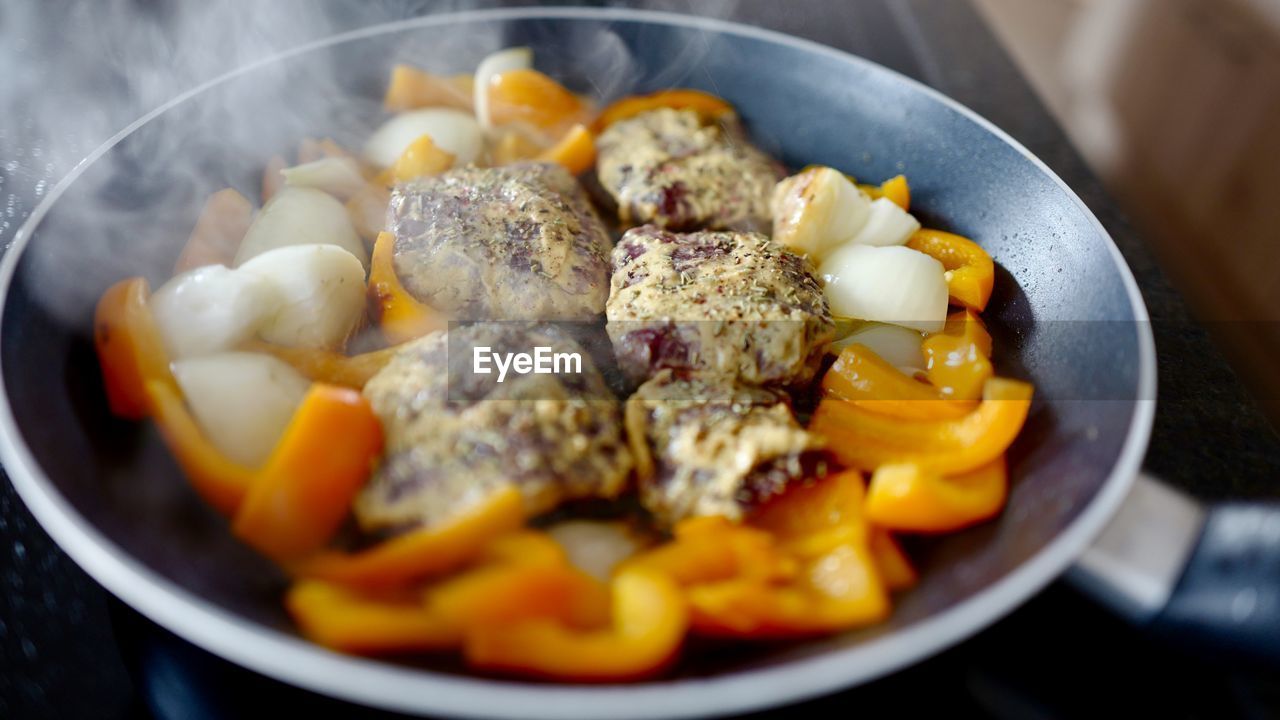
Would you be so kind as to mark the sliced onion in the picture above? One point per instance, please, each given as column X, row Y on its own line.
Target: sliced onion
column 207, row 310
column 595, row 547
column 242, row 401
column 887, row 224
column 454, row 131
column 515, row 58
column 317, row 295
column 899, row 346
column 887, row 284
column 818, row 210
column 338, row 176
column 301, row 216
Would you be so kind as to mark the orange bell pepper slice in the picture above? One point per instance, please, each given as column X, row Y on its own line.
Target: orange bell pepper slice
column 864, row 378
column 272, row 180
column 421, row 159
column 705, row 104
column 971, row 273
column 576, row 151
column 304, row 492
column 420, row 553
column 838, row 589
column 865, row 439
column 649, row 619
column 344, row 619
column 504, row 596
column 708, row 549
column 957, row 360
column 326, row 366
column 411, row 88
column 892, row 562
column 400, row 315
column 530, row 97
column 216, row 237
column 908, row 498
column 821, row 523
column 130, row 350
column 222, row 482
column 895, row 189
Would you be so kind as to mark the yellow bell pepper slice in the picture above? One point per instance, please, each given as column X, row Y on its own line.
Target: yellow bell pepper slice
column 865, row 439
column 649, row 618
column 895, row 189
column 422, row 553
column 707, row 105
column 411, row 88
column 530, row 97
column 576, row 151
column 970, row 270
column 957, row 360
column 907, row 498
column 861, row 377
column 348, row 620
column 892, row 562
column 400, row 315
column 422, row 158
column 708, row 549
column 298, row 500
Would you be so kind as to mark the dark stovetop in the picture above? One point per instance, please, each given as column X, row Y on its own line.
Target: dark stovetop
column 69, row 650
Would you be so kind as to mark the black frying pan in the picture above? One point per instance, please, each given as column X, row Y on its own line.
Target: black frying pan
column 1066, row 314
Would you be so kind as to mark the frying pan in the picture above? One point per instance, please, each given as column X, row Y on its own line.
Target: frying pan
column 1066, row 313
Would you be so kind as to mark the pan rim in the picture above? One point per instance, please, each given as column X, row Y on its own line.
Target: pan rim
column 370, row 682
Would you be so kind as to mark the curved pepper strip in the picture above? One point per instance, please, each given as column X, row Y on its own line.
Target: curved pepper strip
column 130, row 350
column 707, row 105
column 216, row 237
column 326, row 366
column 649, row 619
column 222, row 482
column 970, row 270
column 576, row 151
column 304, row 492
column 520, row 575
column 712, row 549
column 422, row 553
column 862, row 377
column 957, row 360
column 345, row 619
column 532, row 98
column 908, row 498
column 400, row 315
column 864, row 439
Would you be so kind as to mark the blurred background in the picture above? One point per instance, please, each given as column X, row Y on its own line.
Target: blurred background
column 1175, row 104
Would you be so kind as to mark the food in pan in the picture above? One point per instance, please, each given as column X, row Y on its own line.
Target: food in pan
column 715, row 426
column 723, row 303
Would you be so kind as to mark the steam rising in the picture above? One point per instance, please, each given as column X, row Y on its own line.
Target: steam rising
column 117, row 59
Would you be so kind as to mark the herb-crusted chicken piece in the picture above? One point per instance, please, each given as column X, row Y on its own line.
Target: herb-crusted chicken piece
column 677, row 170
column 708, row 446
column 728, row 303
column 518, row 242
column 453, row 436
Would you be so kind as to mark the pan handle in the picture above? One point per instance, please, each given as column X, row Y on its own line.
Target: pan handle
column 1208, row 577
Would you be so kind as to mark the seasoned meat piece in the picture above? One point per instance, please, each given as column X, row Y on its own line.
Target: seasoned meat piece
column 705, row 446
column 675, row 170
column 519, row 242
column 730, row 303
column 453, row 435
